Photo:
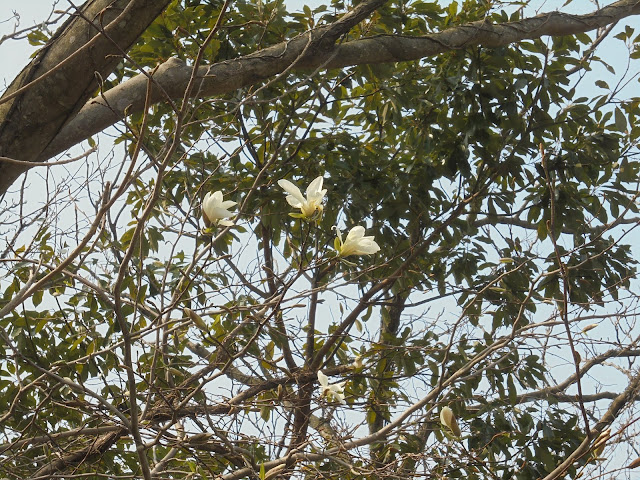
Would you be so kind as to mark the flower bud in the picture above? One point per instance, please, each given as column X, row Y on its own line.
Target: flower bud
column 448, row 419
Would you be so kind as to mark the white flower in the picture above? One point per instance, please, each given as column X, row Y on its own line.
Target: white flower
column 358, row 363
column 215, row 209
column 355, row 243
column 448, row 419
column 335, row 391
column 311, row 206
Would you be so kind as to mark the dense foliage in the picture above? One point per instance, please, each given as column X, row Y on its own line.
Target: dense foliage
column 500, row 185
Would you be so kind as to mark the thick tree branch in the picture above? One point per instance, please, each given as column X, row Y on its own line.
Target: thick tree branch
column 617, row 405
column 227, row 76
column 62, row 77
column 172, row 77
column 95, row 450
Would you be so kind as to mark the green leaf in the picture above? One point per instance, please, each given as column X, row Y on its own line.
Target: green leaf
column 37, row 297
column 620, row 120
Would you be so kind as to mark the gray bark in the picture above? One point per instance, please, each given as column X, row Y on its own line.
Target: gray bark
column 64, row 75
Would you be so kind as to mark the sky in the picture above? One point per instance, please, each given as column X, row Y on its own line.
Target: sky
column 15, row 54
column 18, row 15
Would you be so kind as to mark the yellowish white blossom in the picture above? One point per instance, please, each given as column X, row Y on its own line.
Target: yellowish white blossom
column 332, row 392
column 215, row 209
column 356, row 243
column 311, row 205
column 358, row 363
column 448, row 419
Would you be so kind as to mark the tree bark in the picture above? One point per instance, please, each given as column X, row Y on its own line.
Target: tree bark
column 65, row 74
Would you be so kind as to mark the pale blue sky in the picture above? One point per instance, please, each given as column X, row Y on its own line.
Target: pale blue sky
column 15, row 54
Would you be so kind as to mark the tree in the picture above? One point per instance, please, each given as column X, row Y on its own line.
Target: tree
column 175, row 307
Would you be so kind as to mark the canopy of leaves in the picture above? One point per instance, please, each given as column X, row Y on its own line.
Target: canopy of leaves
column 501, row 185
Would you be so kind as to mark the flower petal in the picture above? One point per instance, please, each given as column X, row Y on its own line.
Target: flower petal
column 216, row 213
column 214, row 208
column 368, row 246
column 355, row 233
column 448, row 419
column 337, row 387
column 228, row 204
column 294, row 201
column 311, row 205
column 216, row 197
column 292, row 190
column 356, row 243
column 323, row 379
column 315, row 188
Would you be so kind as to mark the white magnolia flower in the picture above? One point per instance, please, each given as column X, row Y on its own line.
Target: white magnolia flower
column 335, row 391
column 215, row 209
column 355, row 243
column 448, row 419
column 311, row 206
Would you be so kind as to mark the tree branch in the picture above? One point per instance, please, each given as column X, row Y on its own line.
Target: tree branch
column 620, row 402
column 62, row 76
column 228, row 76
